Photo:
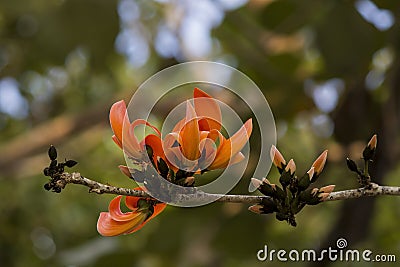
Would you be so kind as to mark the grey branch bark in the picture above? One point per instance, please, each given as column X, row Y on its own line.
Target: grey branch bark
column 99, row 188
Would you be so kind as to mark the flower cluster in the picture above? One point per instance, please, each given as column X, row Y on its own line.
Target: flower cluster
column 194, row 146
column 115, row 222
column 294, row 193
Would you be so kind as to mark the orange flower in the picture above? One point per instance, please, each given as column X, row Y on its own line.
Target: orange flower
column 124, row 135
column 195, row 144
column 115, row 222
column 196, row 141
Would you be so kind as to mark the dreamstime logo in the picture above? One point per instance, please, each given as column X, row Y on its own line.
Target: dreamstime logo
column 175, row 85
column 340, row 253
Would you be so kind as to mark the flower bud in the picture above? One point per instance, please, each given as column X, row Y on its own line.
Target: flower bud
column 291, row 167
column 305, row 181
column 369, row 150
column 189, row 181
column 310, row 173
column 277, row 158
column 352, row 165
column 372, row 143
column 256, row 209
column 267, row 188
column 266, row 181
column 70, row 163
column 125, row 170
column 323, row 196
column 256, row 182
column 314, row 191
column 52, row 153
column 327, row 189
column 319, row 164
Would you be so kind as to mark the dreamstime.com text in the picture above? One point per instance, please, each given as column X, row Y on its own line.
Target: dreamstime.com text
column 339, row 253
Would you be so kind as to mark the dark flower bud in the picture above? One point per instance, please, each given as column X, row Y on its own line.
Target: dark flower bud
column 269, row 205
column 52, row 152
column 305, row 181
column 279, row 193
column 53, row 163
column 70, row 163
column 370, row 149
column 352, row 165
column 47, row 186
column 46, row 171
column 267, row 188
column 285, row 178
column 57, row 189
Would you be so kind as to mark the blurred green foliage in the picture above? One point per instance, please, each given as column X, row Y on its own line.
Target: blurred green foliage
column 69, row 67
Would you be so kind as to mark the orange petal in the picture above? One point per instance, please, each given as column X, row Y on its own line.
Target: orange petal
column 208, row 110
column 156, row 145
column 116, row 140
column 118, row 116
column 125, row 170
column 106, row 226
column 208, row 152
column 236, row 158
column 179, row 161
column 277, row 159
column 203, row 137
column 190, row 134
column 130, row 142
column 229, row 148
column 170, row 151
column 170, row 139
column 115, row 222
column 117, row 215
column 144, row 122
column 223, row 155
column 240, row 138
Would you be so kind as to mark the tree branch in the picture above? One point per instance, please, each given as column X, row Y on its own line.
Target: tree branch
column 99, row 188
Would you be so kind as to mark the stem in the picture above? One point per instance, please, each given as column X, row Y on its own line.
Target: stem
column 99, row 188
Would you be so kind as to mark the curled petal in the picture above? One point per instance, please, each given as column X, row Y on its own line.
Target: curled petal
column 107, row 226
column 118, row 116
column 116, row 213
column 120, row 125
column 144, row 122
column 115, row 222
column 131, row 143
